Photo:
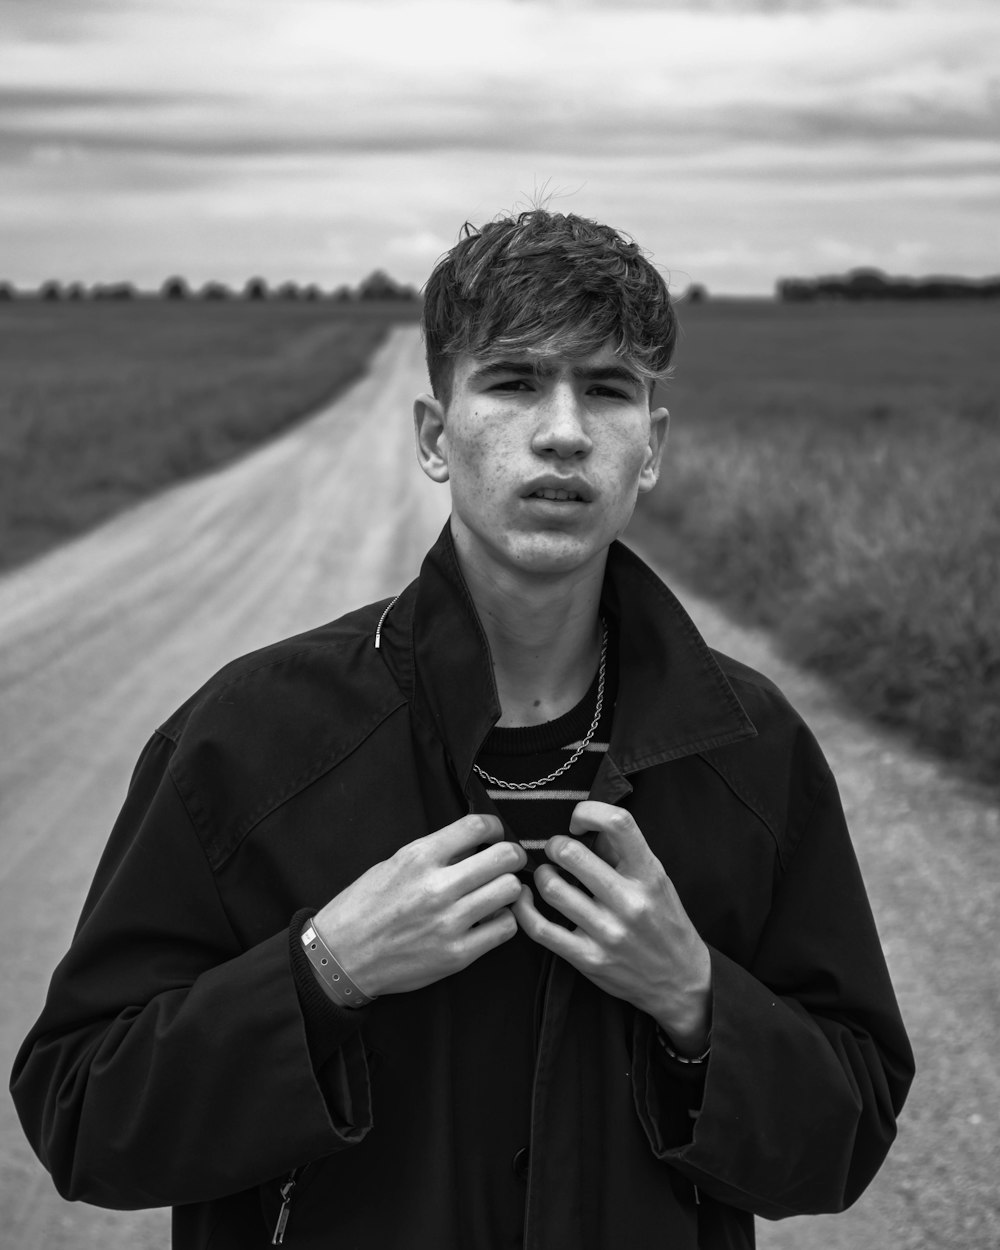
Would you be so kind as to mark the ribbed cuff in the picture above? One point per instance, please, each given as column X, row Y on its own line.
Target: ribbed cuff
column 327, row 1024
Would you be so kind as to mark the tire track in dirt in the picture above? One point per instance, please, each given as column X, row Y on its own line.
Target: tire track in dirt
column 101, row 639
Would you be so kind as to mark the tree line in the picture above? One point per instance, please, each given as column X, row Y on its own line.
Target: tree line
column 377, row 286
column 873, row 284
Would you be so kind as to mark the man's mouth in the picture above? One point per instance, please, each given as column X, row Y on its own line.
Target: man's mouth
column 560, row 496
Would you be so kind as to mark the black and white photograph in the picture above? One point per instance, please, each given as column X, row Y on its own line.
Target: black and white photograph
column 500, row 624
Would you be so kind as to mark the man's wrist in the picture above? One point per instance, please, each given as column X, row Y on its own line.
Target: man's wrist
column 687, row 1020
column 329, row 972
column 683, row 1057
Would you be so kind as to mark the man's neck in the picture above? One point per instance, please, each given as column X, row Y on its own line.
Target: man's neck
column 544, row 635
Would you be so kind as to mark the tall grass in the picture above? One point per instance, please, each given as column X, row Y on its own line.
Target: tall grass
column 103, row 403
column 833, row 474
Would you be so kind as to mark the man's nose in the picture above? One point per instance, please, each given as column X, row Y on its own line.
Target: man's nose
column 561, row 428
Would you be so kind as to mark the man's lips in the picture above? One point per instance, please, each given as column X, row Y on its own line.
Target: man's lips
column 556, row 490
column 558, row 496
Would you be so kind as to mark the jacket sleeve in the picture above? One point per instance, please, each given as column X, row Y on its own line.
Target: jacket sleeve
column 810, row 1063
column 169, row 1064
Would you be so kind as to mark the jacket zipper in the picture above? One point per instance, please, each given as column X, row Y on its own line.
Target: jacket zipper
column 286, row 1192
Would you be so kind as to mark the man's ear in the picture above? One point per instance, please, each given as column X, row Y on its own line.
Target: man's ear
column 432, row 443
column 659, row 423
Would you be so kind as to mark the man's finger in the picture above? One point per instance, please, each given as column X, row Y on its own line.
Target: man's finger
column 463, row 836
column 552, row 936
column 491, row 932
column 620, row 840
column 590, row 870
column 488, row 899
column 482, row 866
column 568, row 899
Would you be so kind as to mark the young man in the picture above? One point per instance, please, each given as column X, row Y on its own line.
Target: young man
column 504, row 913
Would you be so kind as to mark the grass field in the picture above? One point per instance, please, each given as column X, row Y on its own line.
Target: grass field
column 833, row 474
column 103, row 403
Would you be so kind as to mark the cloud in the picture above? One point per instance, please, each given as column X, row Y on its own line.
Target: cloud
column 390, row 120
column 345, row 77
column 424, row 246
column 509, row 119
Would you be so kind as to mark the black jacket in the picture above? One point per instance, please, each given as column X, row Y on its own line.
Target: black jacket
column 178, row 1060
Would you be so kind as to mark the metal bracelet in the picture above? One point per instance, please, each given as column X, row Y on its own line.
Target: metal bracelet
column 334, row 979
column 693, row 1060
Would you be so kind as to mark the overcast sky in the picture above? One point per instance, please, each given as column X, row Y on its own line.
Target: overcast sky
column 737, row 140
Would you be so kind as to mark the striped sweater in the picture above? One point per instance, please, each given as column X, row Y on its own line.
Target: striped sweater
column 526, row 753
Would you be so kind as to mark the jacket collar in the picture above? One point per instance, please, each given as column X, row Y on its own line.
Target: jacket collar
column 673, row 698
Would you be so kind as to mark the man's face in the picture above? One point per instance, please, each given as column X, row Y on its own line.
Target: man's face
column 545, row 457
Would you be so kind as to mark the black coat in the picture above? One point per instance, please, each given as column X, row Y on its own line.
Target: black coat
column 177, row 1063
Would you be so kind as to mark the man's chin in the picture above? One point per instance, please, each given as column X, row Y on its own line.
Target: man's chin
column 554, row 554
column 535, row 553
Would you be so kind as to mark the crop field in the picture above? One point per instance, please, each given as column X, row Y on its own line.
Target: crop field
column 831, row 471
column 103, row 403
column 832, row 474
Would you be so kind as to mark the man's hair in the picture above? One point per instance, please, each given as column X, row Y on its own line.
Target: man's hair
column 546, row 283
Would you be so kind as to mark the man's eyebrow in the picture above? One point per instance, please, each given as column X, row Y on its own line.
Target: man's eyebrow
column 608, row 373
column 492, row 368
column 527, row 369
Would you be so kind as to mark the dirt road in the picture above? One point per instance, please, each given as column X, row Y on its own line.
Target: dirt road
column 100, row 640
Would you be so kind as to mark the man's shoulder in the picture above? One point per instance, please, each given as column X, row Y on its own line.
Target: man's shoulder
column 271, row 722
column 292, row 676
column 755, row 690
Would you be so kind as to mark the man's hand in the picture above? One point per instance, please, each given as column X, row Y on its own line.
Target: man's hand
column 434, row 907
column 633, row 938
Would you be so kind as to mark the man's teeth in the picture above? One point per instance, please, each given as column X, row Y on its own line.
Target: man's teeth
column 548, row 493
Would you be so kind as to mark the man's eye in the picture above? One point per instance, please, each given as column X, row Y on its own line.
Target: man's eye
column 609, row 392
column 512, row 384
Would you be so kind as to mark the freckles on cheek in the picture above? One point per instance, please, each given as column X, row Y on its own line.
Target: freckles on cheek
column 635, row 458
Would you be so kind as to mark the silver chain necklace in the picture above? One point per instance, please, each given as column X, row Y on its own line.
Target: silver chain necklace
column 544, row 781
